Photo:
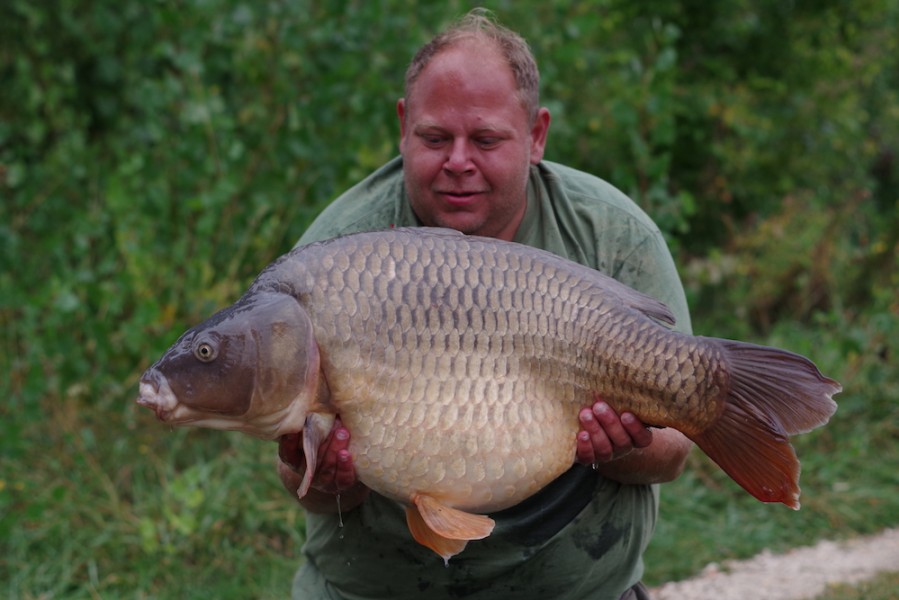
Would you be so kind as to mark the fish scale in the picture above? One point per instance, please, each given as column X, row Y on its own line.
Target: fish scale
column 459, row 365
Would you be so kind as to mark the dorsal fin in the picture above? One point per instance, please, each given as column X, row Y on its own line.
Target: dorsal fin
column 637, row 300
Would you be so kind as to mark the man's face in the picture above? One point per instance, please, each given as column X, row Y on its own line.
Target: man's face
column 468, row 143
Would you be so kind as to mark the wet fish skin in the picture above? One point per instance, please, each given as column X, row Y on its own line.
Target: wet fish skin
column 459, row 364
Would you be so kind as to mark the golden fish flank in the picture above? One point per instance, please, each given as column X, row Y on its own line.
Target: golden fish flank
column 459, row 365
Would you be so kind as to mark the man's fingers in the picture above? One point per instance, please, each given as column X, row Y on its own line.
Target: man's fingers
column 611, row 425
column 336, row 470
column 640, row 435
column 345, row 475
column 593, row 445
column 585, row 454
column 606, row 435
column 333, row 445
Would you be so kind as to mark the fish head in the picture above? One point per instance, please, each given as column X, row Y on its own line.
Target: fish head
column 252, row 367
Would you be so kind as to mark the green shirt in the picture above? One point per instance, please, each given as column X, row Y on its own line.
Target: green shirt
column 582, row 536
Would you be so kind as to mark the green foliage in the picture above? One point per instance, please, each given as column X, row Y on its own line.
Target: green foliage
column 882, row 587
column 804, row 259
column 154, row 156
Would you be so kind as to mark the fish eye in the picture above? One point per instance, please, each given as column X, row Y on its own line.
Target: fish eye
column 205, row 352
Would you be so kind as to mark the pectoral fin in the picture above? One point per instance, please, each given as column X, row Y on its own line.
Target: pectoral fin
column 444, row 530
column 315, row 430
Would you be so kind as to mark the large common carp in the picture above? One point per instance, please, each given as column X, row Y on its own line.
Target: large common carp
column 459, row 364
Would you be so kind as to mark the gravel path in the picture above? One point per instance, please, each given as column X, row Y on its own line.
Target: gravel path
column 801, row 573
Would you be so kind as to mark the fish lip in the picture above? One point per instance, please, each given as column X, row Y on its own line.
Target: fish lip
column 157, row 395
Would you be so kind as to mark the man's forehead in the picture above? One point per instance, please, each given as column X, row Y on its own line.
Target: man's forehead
column 475, row 71
column 465, row 63
column 469, row 55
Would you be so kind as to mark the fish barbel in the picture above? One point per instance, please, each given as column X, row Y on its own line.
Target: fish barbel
column 459, row 365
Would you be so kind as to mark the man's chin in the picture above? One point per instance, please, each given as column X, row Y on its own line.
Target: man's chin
column 467, row 223
column 466, row 226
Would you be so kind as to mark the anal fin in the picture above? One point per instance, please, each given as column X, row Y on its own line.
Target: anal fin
column 443, row 529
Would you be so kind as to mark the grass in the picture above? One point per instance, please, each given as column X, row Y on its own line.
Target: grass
column 116, row 506
column 883, row 587
column 99, row 500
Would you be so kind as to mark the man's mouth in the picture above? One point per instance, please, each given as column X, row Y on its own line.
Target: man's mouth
column 459, row 197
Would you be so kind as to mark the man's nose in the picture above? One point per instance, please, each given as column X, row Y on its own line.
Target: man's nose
column 459, row 160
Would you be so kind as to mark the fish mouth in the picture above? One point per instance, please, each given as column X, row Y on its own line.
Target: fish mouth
column 157, row 395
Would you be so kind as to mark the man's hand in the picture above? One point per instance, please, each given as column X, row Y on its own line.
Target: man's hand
column 334, row 475
column 607, row 436
column 621, row 447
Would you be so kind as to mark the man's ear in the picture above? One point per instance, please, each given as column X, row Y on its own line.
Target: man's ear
column 539, row 130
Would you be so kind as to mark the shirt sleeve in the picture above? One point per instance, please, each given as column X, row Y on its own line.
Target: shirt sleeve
column 376, row 202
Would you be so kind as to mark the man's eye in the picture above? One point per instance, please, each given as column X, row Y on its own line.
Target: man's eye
column 432, row 140
column 488, row 142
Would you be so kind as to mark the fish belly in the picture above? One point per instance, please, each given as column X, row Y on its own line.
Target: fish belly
column 468, row 444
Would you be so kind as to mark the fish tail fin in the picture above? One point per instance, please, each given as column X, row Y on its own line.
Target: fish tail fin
column 773, row 394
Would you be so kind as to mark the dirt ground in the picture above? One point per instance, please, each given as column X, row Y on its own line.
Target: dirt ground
column 799, row 574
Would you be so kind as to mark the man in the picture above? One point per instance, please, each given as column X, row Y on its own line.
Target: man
column 472, row 137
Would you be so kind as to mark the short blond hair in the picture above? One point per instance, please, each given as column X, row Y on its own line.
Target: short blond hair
column 480, row 24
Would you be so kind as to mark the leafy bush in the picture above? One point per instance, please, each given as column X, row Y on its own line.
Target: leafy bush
column 155, row 156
